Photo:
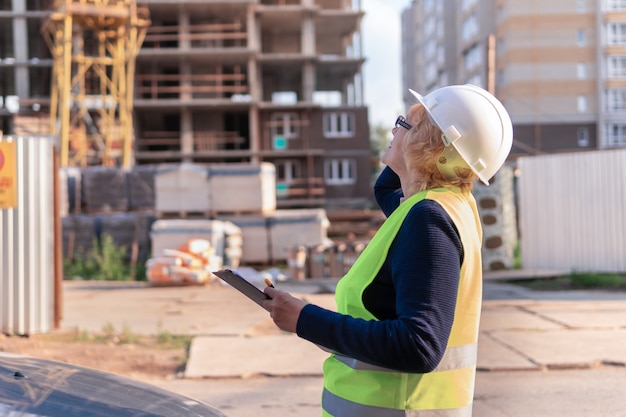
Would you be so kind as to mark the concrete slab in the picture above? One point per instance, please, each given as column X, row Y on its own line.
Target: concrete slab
column 493, row 355
column 281, row 355
column 589, row 315
column 567, row 348
column 205, row 310
column 513, row 317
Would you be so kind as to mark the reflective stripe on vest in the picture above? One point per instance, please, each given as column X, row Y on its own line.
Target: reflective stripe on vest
column 354, row 388
column 456, row 357
column 337, row 406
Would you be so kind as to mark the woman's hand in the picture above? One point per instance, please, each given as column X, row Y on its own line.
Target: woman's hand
column 283, row 308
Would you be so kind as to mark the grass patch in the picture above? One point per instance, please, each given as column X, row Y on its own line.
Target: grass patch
column 104, row 261
column 109, row 335
column 576, row 281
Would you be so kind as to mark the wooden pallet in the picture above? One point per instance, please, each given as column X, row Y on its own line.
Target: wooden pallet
column 184, row 214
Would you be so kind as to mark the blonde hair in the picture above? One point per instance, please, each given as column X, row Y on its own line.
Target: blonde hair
column 423, row 146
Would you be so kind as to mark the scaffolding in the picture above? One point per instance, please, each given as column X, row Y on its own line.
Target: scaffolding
column 94, row 44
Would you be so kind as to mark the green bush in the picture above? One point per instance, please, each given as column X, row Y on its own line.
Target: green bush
column 597, row 280
column 104, row 261
column 576, row 281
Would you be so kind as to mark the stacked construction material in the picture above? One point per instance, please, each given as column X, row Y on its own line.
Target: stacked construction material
column 105, row 189
column 225, row 237
column 188, row 190
column 267, row 238
column 141, row 187
column 182, row 189
column 129, row 230
column 189, row 264
column 243, row 188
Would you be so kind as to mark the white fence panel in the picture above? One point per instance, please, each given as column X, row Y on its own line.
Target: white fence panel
column 27, row 241
column 572, row 211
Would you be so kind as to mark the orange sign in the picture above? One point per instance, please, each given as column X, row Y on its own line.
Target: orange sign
column 8, row 175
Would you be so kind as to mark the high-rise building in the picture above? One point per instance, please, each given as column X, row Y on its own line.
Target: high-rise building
column 25, row 64
column 558, row 67
column 220, row 81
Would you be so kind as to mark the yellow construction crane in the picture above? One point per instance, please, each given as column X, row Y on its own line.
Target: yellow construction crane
column 94, row 44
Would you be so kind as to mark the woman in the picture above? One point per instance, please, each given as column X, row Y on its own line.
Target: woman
column 405, row 333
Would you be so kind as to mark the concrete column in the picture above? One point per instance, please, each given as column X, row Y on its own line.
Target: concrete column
column 255, row 134
column 186, row 134
column 185, row 81
column 308, row 36
column 308, row 82
column 183, row 24
column 308, row 49
column 253, row 34
column 20, row 49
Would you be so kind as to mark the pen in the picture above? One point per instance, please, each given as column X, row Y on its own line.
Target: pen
column 269, row 283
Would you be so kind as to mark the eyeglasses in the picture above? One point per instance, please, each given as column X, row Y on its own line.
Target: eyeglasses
column 401, row 121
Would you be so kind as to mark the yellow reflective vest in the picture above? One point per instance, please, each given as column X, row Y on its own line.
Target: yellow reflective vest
column 357, row 389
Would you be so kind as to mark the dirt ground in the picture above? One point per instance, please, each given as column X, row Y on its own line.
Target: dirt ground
column 143, row 360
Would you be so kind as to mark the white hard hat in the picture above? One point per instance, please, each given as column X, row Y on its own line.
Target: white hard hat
column 475, row 123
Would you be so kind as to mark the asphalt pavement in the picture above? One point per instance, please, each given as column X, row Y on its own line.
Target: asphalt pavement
column 548, row 353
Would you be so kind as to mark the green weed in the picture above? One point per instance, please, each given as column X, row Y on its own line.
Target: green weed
column 105, row 260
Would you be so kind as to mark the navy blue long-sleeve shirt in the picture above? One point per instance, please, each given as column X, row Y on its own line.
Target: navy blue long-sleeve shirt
column 413, row 295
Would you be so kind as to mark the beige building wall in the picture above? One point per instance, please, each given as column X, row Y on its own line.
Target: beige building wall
column 559, row 67
column 547, row 72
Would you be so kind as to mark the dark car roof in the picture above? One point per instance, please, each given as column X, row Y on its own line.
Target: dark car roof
column 38, row 387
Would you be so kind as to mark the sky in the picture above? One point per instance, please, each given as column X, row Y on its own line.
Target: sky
column 382, row 72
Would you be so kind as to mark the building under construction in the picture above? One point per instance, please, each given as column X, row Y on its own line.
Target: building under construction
column 255, row 81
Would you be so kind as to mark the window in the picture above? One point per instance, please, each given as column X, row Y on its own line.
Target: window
column 500, row 77
column 583, row 137
column 500, row 46
column 430, row 26
column 581, row 71
column 441, row 55
column 472, row 58
column 616, row 66
column 582, row 104
column 616, row 134
column 430, row 72
column 468, row 4
column 476, row 80
column 616, row 33
column 500, row 13
column 285, row 125
column 443, row 79
column 469, row 27
column 430, row 47
column 338, row 125
column 287, row 170
column 581, row 37
column 615, row 100
column 429, row 5
column 616, row 5
column 339, row 171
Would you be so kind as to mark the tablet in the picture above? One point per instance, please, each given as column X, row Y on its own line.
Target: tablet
column 242, row 285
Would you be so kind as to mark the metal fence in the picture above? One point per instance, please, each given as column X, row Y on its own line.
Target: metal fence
column 27, row 267
column 573, row 211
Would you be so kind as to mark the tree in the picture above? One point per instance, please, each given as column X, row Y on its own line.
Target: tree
column 380, row 136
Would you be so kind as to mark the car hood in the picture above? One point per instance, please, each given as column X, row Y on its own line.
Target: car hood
column 37, row 387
